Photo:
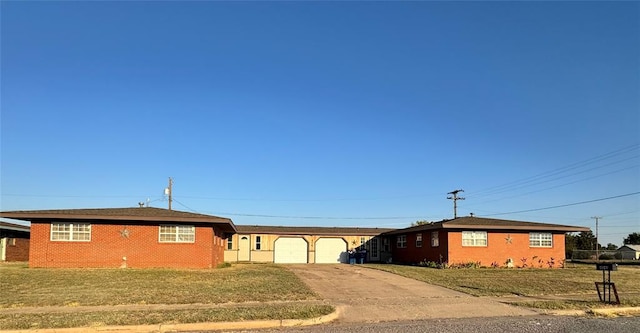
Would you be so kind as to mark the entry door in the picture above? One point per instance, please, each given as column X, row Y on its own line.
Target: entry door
column 374, row 249
column 244, row 247
column 3, row 247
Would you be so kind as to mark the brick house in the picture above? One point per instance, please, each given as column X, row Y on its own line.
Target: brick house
column 125, row 237
column 14, row 242
column 281, row 244
column 491, row 242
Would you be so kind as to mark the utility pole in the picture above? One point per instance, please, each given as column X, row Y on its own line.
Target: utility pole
column 168, row 191
column 597, row 218
column 454, row 196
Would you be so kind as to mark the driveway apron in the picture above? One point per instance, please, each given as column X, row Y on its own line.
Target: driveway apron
column 369, row 295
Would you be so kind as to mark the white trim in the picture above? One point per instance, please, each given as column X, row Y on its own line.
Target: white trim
column 475, row 238
column 177, row 232
column 69, row 232
column 540, row 239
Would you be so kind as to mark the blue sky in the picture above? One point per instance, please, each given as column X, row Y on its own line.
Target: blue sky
column 325, row 113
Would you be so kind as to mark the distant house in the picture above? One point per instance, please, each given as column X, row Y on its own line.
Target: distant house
column 124, row 237
column 279, row 244
column 490, row 242
column 14, row 242
column 629, row 252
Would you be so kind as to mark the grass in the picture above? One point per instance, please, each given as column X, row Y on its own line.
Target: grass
column 107, row 318
column 24, row 287
column 239, row 292
column 578, row 280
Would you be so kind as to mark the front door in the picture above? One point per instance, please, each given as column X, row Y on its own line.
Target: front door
column 3, row 246
column 374, row 250
column 244, row 248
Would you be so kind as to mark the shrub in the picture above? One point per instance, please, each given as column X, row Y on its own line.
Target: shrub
column 606, row 256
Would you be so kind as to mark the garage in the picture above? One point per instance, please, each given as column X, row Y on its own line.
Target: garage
column 290, row 250
column 331, row 251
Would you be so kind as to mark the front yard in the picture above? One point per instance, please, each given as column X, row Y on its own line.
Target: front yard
column 261, row 291
column 574, row 285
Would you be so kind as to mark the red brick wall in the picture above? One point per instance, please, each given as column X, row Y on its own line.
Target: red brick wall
column 110, row 248
column 19, row 251
column 413, row 254
column 498, row 250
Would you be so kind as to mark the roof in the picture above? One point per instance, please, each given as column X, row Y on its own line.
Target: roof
column 320, row 231
column 14, row 227
column 138, row 214
column 479, row 223
column 633, row 247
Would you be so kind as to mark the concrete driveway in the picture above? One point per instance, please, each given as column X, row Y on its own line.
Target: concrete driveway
column 368, row 295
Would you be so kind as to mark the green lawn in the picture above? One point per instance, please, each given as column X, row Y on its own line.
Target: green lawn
column 248, row 285
column 528, row 282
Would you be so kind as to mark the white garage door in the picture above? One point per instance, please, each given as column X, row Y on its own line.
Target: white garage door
column 331, row 251
column 290, row 250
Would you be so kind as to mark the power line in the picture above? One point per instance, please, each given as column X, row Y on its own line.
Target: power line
column 557, row 171
column 552, row 187
column 566, row 205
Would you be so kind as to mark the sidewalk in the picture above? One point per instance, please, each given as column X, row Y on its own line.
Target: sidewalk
column 255, row 324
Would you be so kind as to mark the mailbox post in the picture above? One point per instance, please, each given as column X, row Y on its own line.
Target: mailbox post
column 606, row 283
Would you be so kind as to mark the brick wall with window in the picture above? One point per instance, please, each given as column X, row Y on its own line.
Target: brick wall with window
column 17, row 249
column 121, row 245
column 522, row 247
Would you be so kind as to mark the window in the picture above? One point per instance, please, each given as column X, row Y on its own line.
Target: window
column 474, row 238
column 540, row 239
column 401, row 241
column 177, row 234
column 72, row 232
column 435, row 240
column 418, row 240
column 230, row 243
column 374, row 247
column 12, row 241
column 258, row 243
column 385, row 245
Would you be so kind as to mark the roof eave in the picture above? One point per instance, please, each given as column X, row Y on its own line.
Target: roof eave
column 501, row 227
column 36, row 217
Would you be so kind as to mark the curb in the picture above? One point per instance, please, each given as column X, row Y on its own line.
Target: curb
column 601, row 311
column 161, row 328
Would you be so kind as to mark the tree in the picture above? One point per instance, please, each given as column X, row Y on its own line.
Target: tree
column 633, row 238
column 586, row 241
column 421, row 222
column 611, row 247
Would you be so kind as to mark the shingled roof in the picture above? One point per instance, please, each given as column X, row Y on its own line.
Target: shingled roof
column 138, row 214
column 479, row 223
column 320, row 231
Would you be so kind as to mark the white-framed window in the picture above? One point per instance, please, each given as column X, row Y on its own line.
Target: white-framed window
column 230, row 243
column 401, row 241
column 540, row 239
column 418, row 240
column 258, row 243
column 71, row 232
column 474, row 238
column 177, row 233
column 435, row 239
